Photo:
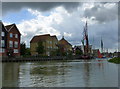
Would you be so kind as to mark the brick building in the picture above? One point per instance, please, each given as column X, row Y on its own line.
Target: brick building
column 49, row 43
column 3, row 40
column 10, row 42
column 64, row 45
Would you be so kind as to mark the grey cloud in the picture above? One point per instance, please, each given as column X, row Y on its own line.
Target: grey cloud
column 41, row 6
column 101, row 13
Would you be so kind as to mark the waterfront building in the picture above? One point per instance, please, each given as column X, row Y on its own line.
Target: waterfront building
column 3, row 40
column 64, row 45
column 95, row 52
column 10, row 40
column 116, row 54
column 13, row 40
column 77, row 50
column 89, row 48
column 49, row 43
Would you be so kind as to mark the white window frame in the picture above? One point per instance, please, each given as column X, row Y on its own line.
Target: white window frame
column 16, row 44
column 2, row 43
column 2, row 33
column 16, row 51
column 10, row 44
column 2, row 50
column 11, row 35
column 16, row 35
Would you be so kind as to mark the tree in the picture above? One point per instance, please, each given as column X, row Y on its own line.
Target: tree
column 28, row 51
column 40, row 48
column 23, row 48
column 78, row 52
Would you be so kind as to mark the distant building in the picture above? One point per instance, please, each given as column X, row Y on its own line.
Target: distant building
column 77, row 50
column 10, row 42
column 49, row 43
column 83, row 49
column 116, row 54
column 95, row 52
column 64, row 45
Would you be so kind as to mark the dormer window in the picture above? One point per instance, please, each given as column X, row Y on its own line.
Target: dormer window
column 11, row 35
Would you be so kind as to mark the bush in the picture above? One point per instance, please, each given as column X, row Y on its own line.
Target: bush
column 115, row 60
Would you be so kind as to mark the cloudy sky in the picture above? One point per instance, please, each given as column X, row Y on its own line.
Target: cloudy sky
column 65, row 18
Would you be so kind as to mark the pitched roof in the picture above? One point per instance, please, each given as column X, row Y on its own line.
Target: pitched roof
column 9, row 27
column 39, row 38
column 2, row 26
column 54, row 36
column 63, row 41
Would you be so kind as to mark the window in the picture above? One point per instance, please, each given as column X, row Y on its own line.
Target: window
column 50, row 42
column 2, row 50
column 15, row 50
column 11, row 35
column 16, row 35
column 2, row 43
column 2, row 33
column 16, row 44
column 10, row 43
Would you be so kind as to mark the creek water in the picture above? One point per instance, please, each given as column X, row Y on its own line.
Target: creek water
column 72, row 73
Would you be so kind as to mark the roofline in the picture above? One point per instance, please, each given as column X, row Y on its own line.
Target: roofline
column 3, row 25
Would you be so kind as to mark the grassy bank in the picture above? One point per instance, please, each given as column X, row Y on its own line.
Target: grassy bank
column 115, row 60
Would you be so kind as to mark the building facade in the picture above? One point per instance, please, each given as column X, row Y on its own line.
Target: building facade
column 3, row 40
column 64, row 46
column 10, row 40
column 49, row 43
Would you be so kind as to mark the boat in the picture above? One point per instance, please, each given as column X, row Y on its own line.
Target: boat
column 86, row 53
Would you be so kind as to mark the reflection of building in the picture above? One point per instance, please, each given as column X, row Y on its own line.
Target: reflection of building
column 49, row 43
column 10, row 74
column 64, row 45
column 10, row 41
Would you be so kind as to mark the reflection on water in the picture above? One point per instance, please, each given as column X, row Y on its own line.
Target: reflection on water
column 10, row 74
column 94, row 73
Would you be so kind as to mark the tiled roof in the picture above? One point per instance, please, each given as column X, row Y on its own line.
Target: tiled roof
column 63, row 41
column 39, row 38
column 2, row 26
column 8, row 27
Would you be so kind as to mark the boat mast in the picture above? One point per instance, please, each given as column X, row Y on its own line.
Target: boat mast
column 87, row 41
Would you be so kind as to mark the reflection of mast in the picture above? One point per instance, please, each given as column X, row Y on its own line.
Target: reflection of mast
column 87, row 74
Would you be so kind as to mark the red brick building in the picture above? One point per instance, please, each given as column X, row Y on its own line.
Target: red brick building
column 11, row 42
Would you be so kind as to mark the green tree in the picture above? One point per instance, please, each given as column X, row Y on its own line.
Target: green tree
column 22, row 48
column 28, row 51
column 78, row 52
column 40, row 48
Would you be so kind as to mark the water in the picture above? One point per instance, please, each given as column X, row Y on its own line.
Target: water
column 76, row 73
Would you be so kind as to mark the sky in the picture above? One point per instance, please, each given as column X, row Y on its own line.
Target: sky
column 65, row 19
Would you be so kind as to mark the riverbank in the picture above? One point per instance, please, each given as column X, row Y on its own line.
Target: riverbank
column 40, row 58
column 33, row 59
column 115, row 60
